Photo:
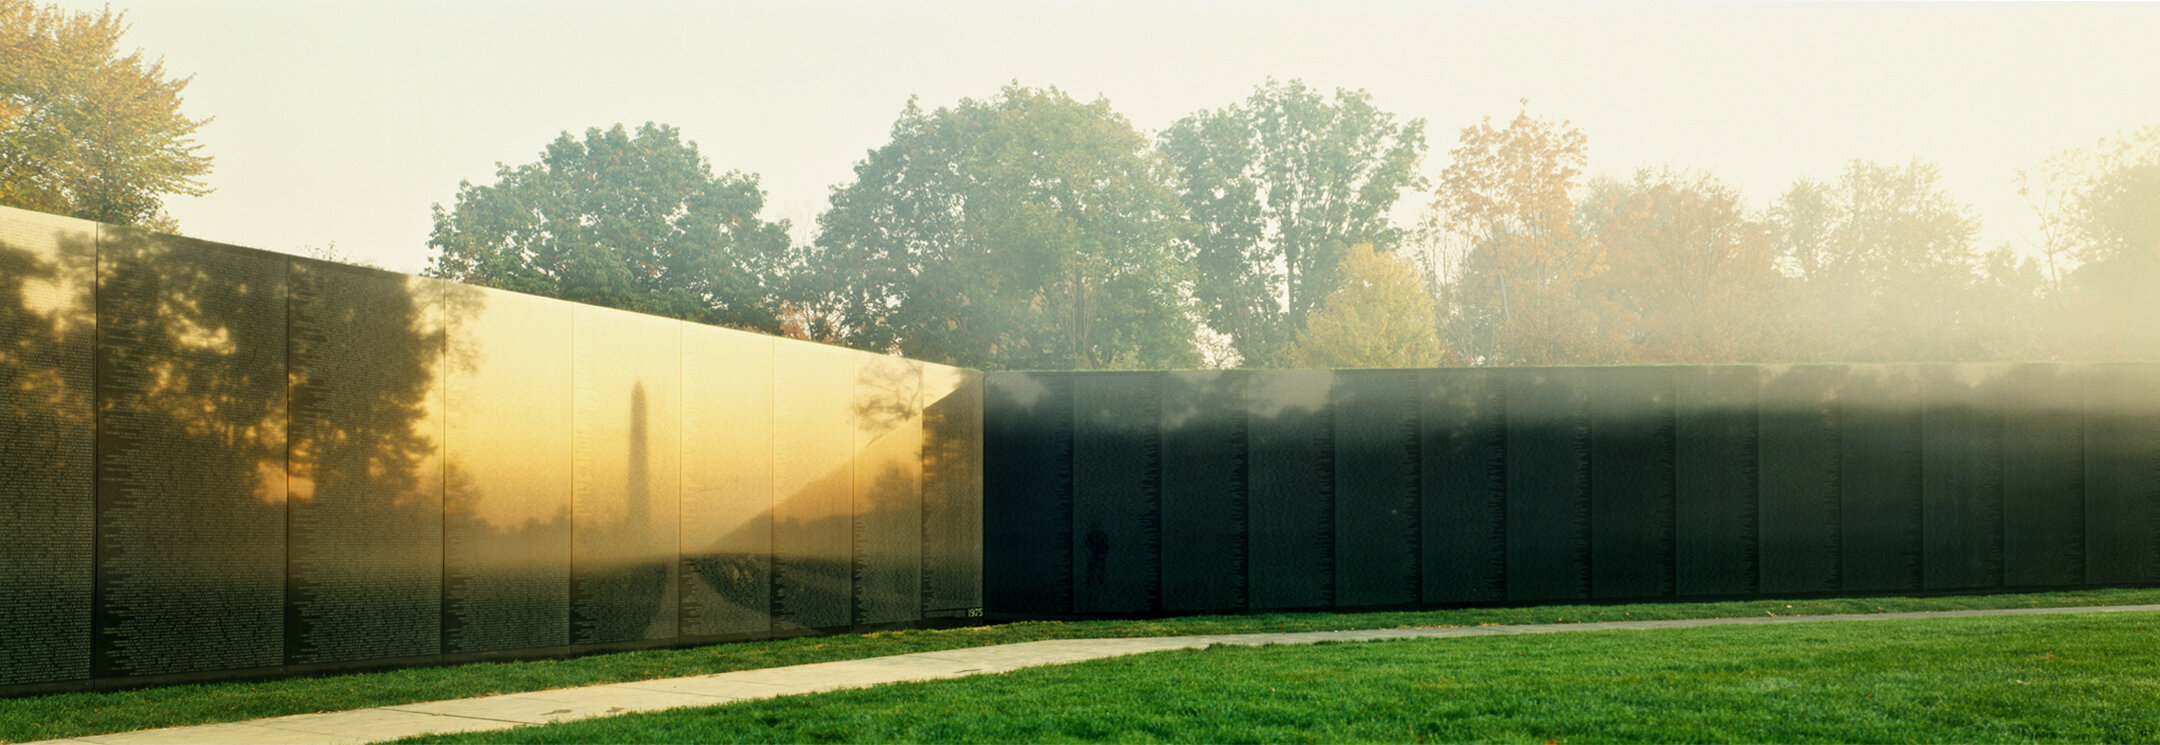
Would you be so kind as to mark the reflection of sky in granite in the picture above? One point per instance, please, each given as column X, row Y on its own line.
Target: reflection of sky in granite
column 510, row 406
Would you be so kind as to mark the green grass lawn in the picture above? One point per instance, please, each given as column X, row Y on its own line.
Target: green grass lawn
column 2086, row 678
column 75, row 714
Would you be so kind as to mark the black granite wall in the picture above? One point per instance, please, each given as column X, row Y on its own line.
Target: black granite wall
column 1299, row 489
column 218, row 461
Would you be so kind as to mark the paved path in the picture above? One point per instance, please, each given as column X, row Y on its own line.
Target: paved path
column 564, row 704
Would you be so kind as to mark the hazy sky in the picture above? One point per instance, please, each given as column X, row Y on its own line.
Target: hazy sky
column 343, row 122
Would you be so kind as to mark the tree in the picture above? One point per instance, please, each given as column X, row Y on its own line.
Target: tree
column 638, row 223
column 1885, row 258
column 85, row 131
column 1280, row 186
column 2061, row 191
column 1696, row 278
column 2111, row 309
column 1524, row 297
column 1025, row 231
column 1380, row 316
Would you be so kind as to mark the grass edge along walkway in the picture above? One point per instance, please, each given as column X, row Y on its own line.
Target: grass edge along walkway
column 78, row 714
column 562, row 705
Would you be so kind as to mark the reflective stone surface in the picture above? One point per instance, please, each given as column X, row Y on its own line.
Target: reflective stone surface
column 1879, row 478
column 1961, row 476
column 1631, row 481
column 1548, row 505
column 2122, row 473
column 1463, row 483
column 287, row 465
column 1797, row 457
column 1376, row 488
column 1116, row 493
column 48, row 331
column 727, row 482
column 191, row 382
column 365, row 498
column 813, row 486
column 1291, row 483
column 2043, row 475
column 888, row 460
column 1203, row 489
column 1027, row 493
column 952, row 484
column 507, row 507
column 1714, row 480
column 626, row 476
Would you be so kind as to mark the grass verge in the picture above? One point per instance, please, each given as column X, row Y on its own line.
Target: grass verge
column 77, row 714
column 2089, row 678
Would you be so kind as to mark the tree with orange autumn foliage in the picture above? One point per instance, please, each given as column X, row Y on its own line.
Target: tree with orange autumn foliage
column 1526, row 295
column 1696, row 278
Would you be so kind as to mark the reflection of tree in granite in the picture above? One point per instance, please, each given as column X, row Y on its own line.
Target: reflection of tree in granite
column 191, row 435
column 365, row 449
column 47, row 332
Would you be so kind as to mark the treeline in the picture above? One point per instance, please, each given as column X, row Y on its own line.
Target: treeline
column 1033, row 230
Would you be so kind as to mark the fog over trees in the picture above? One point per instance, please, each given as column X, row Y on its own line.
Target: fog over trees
column 1031, row 229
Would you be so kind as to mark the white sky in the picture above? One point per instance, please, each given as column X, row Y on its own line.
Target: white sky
column 343, row 122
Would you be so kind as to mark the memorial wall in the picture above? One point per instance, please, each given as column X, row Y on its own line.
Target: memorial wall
column 1176, row 492
column 218, row 461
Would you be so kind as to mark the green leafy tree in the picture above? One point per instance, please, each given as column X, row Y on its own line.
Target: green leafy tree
column 84, row 130
column 1886, row 260
column 633, row 222
column 1380, row 316
column 1025, row 231
column 1280, row 186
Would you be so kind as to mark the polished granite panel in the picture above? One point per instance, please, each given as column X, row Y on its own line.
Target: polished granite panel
column 506, row 573
column 626, row 476
column 1290, row 483
column 1548, row 495
column 191, row 384
column 1961, row 476
column 1631, row 481
column 727, row 482
column 1797, row 457
column 1879, row 478
column 1027, row 492
column 2043, row 475
column 952, row 484
column 1203, row 489
column 888, row 426
column 813, row 486
column 48, row 337
column 1463, row 486
column 2122, row 473
column 1117, row 540
column 365, row 542
column 1714, row 480
column 1376, row 488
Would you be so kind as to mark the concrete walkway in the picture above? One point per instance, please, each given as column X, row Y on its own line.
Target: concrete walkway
column 565, row 704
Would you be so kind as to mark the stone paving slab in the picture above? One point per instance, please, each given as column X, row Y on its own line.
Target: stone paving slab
column 563, row 704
